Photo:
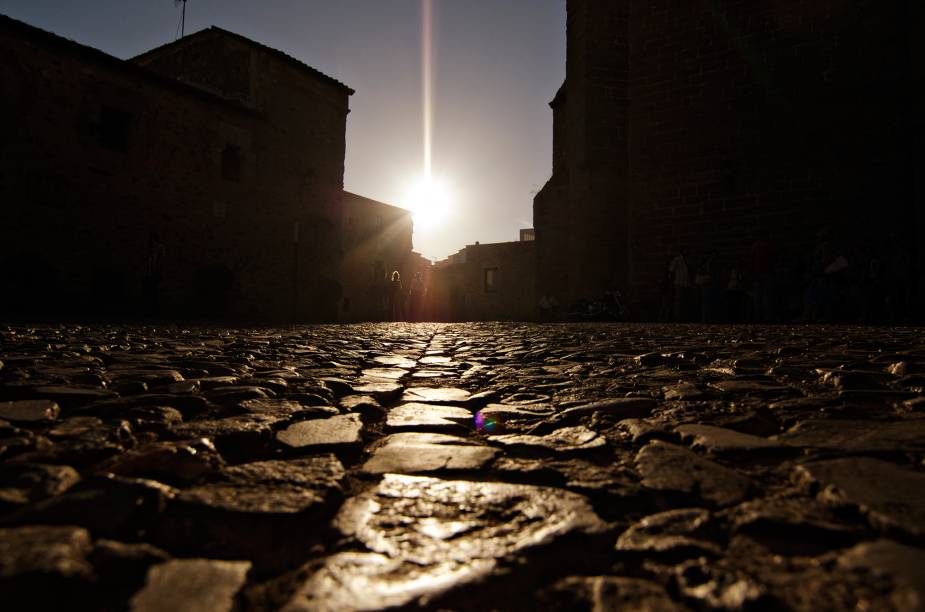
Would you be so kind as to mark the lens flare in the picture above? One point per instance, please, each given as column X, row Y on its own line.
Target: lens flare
column 486, row 424
column 427, row 80
column 429, row 201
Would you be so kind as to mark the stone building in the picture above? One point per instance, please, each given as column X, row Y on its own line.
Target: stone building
column 701, row 123
column 376, row 242
column 486, row 282
column 214, row 160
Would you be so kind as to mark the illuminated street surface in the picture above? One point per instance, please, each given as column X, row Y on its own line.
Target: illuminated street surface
column 463, row 466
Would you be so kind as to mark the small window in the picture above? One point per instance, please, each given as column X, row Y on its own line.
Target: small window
column 231, row 164
column 491, row 280
column 114, row 129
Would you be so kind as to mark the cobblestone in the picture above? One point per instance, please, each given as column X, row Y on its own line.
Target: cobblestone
column 462, row 466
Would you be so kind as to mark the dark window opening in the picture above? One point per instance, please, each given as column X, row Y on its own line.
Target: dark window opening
column 491, row 280
column 231, row 164
column 115, row 126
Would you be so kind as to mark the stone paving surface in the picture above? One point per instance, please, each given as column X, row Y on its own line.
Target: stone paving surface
column 462, row 466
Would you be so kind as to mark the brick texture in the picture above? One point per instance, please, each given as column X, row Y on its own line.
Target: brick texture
column 701, row 123
column 240, row 176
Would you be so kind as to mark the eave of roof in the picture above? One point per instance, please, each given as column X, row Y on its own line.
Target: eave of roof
column 92, row 54
column 560, row 95
column 358, row 198
column 275, row 52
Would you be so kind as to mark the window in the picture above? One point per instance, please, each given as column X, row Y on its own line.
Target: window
column 491, row 280
column 114, row 129
column 231, row 164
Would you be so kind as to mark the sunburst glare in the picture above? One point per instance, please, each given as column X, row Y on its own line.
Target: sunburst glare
column 429, row 201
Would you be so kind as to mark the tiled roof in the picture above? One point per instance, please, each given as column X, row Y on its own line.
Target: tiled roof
column 91, row 54
column 275, row 52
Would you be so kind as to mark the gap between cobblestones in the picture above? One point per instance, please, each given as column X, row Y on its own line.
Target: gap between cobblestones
column 668, row 467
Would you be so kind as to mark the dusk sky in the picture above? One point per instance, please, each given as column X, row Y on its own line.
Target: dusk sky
column 496, row 64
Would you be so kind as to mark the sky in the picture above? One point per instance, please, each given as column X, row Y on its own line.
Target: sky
column 495, row 66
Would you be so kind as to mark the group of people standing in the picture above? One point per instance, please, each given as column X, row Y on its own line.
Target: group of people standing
column 396, row 300
column 864, row 284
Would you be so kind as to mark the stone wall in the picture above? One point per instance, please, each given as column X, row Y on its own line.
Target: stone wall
column 100, row 154
column 376, row 242
column 488, row 282
column 703, row 123
column 580, row 216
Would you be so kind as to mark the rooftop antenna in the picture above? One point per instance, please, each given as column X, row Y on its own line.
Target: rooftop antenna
column 182, row 16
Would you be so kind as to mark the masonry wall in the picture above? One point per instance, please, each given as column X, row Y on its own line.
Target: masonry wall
column 581, row 214
column 298, row 153
column 78, row 212
column 461, row 291
column 551, row 219
column 783, row 116
column 376, row 242
column 700, row 123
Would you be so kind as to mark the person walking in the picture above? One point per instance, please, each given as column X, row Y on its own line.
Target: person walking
column 395, row 297
column 415, row 290
column 681, row 282
column 153, row 273
column 705, row 284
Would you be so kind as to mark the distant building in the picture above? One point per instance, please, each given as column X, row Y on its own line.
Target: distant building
column 699, row 124
column 486, row 282
column 376, row 242
column 527, row 234
column 202, row 178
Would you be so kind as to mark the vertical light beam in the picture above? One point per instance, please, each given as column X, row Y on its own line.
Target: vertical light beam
column 427, row 80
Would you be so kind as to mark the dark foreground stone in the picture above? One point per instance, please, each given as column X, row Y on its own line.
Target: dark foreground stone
column 462, row 467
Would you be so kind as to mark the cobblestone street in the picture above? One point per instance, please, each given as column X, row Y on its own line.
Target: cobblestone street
column 462, row 466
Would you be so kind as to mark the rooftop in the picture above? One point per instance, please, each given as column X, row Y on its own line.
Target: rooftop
column 275, row 52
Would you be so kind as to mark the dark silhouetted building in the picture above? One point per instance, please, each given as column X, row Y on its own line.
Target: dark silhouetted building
column 487, row 282
column 203, row 178
column 376, row 242
column 702, row 123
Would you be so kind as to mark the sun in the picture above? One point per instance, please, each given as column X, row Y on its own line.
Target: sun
column 429, row 202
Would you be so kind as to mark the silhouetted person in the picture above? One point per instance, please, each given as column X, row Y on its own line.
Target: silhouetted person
column 901, row 280
column 395, row 297
column 762, row 268
column 705, row 284
column 681, row 282
column 735, row 294
column 832, row 282
column 872, row 298
column 665, row 297
column 548, row 306
column 154, row 269
column 415, row 291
